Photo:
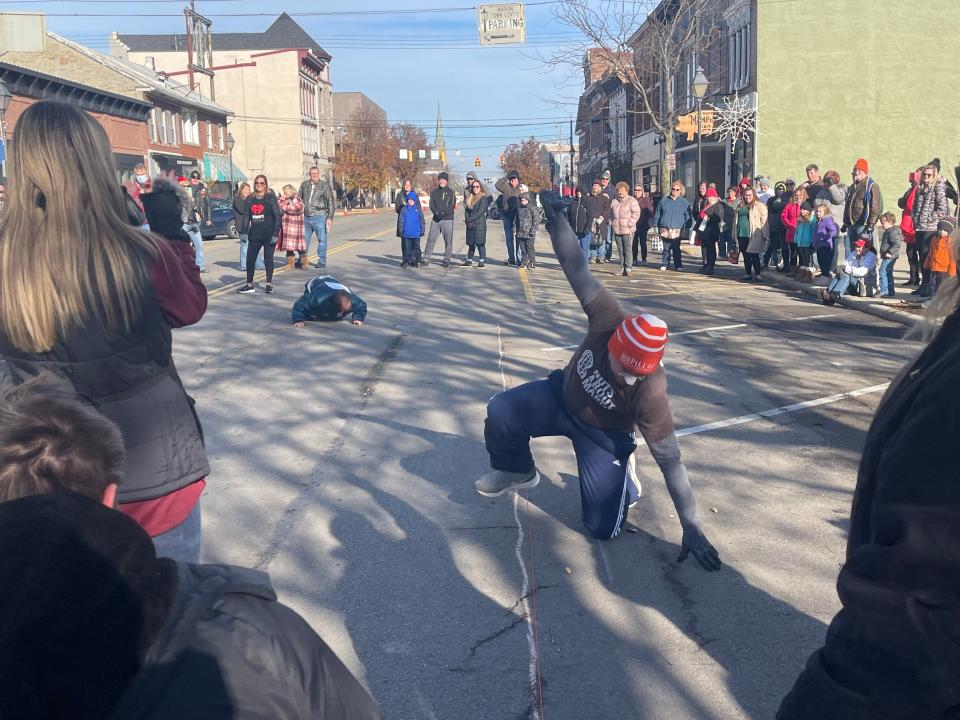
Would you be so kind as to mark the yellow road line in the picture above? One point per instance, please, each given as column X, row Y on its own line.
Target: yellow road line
column 262, row 275
column 648, row 295
column 527, row 289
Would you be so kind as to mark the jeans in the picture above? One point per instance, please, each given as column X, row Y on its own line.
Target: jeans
column 244, row 238
column 924, row 238
column 253, row 252
column 623, row 247
column 790, row 255
column 411, row 250
column 182, row 542
column 193, row 230
column 886, row 276
column 726, row 243
column 536, row 409
column 445, row 227
column 774, row 251
column 585, row 245
column 841, row 250
column 510, row 237
column 608, row 243
column 316, row 225
column 640, row 243
column 596, row 251
column 672, row 246
column 844, row 282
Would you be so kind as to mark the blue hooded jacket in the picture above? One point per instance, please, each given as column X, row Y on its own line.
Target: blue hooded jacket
column 411, row 218
column 318, row 301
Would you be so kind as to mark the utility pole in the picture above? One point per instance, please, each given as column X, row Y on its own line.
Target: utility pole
column 572, row 183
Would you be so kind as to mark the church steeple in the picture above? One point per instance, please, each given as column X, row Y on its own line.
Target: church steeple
column 439, row 144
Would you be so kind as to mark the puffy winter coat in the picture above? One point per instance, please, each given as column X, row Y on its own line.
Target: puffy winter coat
column 509, row 197
column 475, row 218
column 131, row 378
column 835, row 197
column 579, row 216
column 929, row 205
column 803, row 237
column 317, row 301
column 402, row 211
column 890, row 242
column 240, row 218
column 528, row 220
column 906, row 203
column 624, row 215
column 789, row 218
column 940, row 258
column 891, row 651
column 443, row 201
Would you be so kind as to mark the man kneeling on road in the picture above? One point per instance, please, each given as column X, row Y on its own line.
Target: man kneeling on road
column 855, row 276
column 326, row 299
column 613, row 383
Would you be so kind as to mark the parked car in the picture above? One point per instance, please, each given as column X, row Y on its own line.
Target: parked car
column 221, row 213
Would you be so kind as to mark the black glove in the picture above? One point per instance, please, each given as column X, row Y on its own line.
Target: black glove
column 694, row 541
column 164, row 210
column 436, row 217
column 552, row 207
column 843, row 228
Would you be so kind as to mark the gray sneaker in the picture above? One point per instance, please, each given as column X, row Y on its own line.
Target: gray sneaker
column 497, row 482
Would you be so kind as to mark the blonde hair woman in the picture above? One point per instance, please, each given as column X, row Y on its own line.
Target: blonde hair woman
column 90, row 300
column 753, row 232
column 292, row 238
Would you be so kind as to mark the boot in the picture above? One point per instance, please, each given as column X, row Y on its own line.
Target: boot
column 290, row 262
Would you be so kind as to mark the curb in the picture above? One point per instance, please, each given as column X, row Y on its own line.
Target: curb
column 863, row 305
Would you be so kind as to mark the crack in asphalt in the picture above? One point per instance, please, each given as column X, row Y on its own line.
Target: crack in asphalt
column 295, row 510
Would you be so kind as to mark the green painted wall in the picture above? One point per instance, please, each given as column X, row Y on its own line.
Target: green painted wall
column 844, row 79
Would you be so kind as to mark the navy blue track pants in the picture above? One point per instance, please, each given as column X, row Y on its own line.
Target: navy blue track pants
column 536, row 409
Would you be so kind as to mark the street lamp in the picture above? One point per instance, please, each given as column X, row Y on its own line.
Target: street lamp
column 699, row 88
column 230, row 143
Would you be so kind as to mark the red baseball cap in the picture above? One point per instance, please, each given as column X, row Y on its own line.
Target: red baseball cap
column 638, row 343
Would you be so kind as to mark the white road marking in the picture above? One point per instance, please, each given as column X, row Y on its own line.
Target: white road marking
column 707, row 330
column 729, row 422
column 606, row 560
column 525, row 584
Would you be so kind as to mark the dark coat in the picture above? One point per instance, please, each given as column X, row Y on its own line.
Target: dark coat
column 402, row 210
column 890, row 242
column 264, row 217
column 599, row 207
column 317, row 301
column 646, row 215
column 891, row 652
column 150, row 638
column 579, row 216
column 854, row 212
column 240, row 217
column 509, row 197
column 528, row 220
column 131, row 379
column 443, row 201
column 476, row 220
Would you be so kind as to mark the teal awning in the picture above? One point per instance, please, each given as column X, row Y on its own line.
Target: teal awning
column 217, row 167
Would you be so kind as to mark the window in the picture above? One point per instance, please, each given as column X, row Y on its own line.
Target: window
column 309, row 139
column 739, row 55
column 169, row 136
column 152, row 125
column 209, row 135
column 191, row 133
column 308, row 99
column 223, row 138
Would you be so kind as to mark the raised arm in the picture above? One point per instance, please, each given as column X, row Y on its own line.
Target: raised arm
column 568, row 251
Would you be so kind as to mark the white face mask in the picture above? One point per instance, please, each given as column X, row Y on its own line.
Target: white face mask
column 142, row 179
column 629, row 379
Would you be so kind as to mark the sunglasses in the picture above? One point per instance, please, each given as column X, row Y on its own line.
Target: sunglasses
column 928, row 174
column 259, row 182
column 475, row 187
column 676, row 190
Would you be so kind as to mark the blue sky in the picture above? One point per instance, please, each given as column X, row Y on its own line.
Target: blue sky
column 406, row 62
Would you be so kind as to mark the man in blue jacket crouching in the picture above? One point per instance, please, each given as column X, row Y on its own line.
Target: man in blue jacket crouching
column 324, row 298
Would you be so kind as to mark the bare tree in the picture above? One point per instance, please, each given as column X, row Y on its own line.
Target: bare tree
column 412, row 139
column 527, row 160
column 650, row 45
column 363, row 159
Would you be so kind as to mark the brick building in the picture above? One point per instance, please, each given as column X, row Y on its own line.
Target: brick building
column 276, row 81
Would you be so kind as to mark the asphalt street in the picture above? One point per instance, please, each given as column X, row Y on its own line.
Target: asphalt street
column 343, row 462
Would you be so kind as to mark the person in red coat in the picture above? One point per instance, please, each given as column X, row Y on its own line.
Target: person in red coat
column 906, row 227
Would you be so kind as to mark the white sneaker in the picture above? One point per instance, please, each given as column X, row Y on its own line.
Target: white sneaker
column 497, row 482
column 663, row 267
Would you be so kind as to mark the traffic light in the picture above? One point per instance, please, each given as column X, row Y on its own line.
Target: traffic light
column 501, row 159
column 476, row 162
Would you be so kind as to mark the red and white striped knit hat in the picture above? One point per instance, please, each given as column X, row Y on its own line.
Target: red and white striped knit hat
column 638, row 343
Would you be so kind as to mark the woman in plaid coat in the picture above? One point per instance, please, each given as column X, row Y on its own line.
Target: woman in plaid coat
column 291, row 237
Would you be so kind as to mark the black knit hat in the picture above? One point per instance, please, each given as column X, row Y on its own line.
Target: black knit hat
column 935, row 163
column 164, row 208
column 513, row 175
column 443, row 176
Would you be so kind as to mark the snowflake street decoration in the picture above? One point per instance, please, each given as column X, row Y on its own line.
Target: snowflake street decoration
column 736, row 120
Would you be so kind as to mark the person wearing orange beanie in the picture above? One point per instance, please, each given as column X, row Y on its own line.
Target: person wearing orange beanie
column 863, row 207
column 613, row 384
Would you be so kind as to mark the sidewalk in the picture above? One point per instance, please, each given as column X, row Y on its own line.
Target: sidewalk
column 904, row 309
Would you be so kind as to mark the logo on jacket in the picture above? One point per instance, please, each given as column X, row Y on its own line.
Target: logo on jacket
column 594, row 385
column 256, row 210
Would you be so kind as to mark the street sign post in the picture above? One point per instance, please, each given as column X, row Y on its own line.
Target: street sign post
column 672, row 161
column 501, row 24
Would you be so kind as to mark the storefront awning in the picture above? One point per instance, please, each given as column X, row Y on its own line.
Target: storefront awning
column 217, row 168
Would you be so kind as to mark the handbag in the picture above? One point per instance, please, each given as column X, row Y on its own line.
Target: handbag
column 734, row 257
column 495, row 212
